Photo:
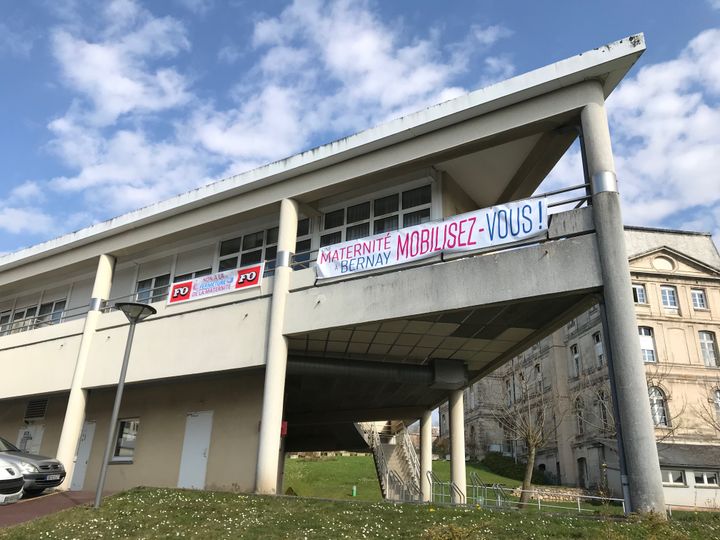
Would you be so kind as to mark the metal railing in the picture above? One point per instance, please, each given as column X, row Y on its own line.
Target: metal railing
column 408, row 449
column 444, row 492
column 24, row 324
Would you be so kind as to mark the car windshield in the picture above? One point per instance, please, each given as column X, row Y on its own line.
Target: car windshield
column 5, row 446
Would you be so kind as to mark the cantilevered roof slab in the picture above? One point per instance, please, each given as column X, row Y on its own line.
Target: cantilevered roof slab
column 498, row 143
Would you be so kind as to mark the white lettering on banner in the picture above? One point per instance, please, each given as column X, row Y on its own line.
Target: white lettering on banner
column 214, row 284
column 502, row 224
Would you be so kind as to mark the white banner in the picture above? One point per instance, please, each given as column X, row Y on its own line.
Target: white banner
column 502, row 224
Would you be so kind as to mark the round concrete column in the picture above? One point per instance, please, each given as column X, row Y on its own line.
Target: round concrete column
column 75, row 410
column 267, row 474
column 425, row 455
column 643, row 468
column 457, row 446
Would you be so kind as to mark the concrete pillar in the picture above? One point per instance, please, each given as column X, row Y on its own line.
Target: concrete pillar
column 641, row 458
column 75, row 411
column 457, row 446
column 425, row 455
column 266, row 477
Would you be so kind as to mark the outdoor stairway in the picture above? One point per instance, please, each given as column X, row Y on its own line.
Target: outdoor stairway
column 396, row 461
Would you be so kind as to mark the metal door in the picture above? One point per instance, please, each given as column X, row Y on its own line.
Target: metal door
column 83, row 456
column 196, row 445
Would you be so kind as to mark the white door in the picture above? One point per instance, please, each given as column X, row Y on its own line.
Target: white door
column 30, row 438
column 193, row 463
column 83, row 456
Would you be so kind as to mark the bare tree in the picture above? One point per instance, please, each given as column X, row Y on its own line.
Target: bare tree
column 707, row 407
column 528, row 416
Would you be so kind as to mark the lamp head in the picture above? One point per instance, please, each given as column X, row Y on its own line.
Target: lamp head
column 134, row 311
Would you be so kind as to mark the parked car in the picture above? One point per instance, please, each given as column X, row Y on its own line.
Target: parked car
column 39, row 472
column 11, row 482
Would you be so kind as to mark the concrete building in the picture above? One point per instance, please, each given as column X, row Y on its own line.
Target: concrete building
column 676, row 292
column 257, row 348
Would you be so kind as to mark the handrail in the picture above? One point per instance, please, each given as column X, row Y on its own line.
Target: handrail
column 460, row 495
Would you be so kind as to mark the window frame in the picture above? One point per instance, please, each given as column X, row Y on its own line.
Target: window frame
column 576, row 360
column 658, row 402
column 701, row 295
column 115, row 458
column 638, row 291
column 667, row 477
column 651, row 341
column 599, row 348
column 709, row 348
column 668, row 293
column 705, row 483
column 157, row 293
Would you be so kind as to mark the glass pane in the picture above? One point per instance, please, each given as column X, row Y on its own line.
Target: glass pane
column 416, row 218
column 271, row 253
column 227, row 264
column 303, row 227
column 182, row 277
column 357, row 231
column 386, row 205
column 329, row 239
column 272, row 235
column 416, row 197
column 254, row 240
column 358, row 212
column 127, row 433
column 677, row 477
column 302, row 246
column 45, row 309
column 386, row 224
column 335, row 219
column 205, row 272
column 161, row 281
column 251, row 257
column 699, row 478
column 230, row 246
column 712, row 478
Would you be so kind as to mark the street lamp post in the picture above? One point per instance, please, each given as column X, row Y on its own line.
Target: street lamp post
column 135, row 313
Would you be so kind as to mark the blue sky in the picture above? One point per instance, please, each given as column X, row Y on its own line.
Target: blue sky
column 110, row 106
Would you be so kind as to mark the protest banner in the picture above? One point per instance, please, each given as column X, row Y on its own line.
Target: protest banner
column 215, row 284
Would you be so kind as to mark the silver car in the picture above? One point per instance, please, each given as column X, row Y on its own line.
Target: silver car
column 11, row 483
column 39, row 472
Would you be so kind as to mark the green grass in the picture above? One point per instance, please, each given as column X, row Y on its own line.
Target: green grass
column 334, row 477
column 151, row 513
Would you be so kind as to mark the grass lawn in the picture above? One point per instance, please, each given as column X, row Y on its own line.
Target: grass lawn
column 334, row 477
column 170, row 513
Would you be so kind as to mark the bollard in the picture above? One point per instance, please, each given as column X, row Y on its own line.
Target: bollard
column 354, row 491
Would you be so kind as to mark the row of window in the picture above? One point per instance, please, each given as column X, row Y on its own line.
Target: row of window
column 669, row 296
column 576, row 366
column 702, row 478
column 708, row 346
column 29, row 317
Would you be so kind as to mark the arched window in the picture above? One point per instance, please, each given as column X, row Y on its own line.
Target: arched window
column 658, row 406
column 716, row 399
column 579, row 415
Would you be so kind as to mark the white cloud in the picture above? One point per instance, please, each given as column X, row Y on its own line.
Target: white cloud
column 27, row 192
column 229, row 54
column 665, row 123
column 199, row 7
column 28, row 219
column 489, row 35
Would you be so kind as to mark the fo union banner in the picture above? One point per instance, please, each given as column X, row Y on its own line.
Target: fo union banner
column 215, row 284
column 503, row 224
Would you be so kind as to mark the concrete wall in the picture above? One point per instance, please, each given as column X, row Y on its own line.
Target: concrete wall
column 235, row 400
column 12, row 412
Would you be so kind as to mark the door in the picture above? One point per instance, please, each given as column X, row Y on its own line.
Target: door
column 30, row 438
column 83, row 456
column 193, row 463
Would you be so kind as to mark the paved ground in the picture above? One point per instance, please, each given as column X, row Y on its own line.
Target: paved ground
column 35, row 507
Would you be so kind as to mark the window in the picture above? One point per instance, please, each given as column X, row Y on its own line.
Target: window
column 580, row 416
column 152, row 289
column 5, row 323
column 698, row 299
column 669, row 297
column 658, row 406
column 709, row 349
column 384, row 214
column 538, row 378
column 716, row 399
column 576, row 364
column 23, row 319
column 673, row 476
column 639, row 296
column 603, row 411
column 508, row 392
column 706, row 478
column 647, row 344
column 50, row 313
column 599, row 352
column 125, row 439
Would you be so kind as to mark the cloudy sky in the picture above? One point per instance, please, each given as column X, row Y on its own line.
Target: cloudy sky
column 109, row 106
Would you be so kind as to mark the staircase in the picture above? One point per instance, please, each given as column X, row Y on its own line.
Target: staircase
column 396, row 461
